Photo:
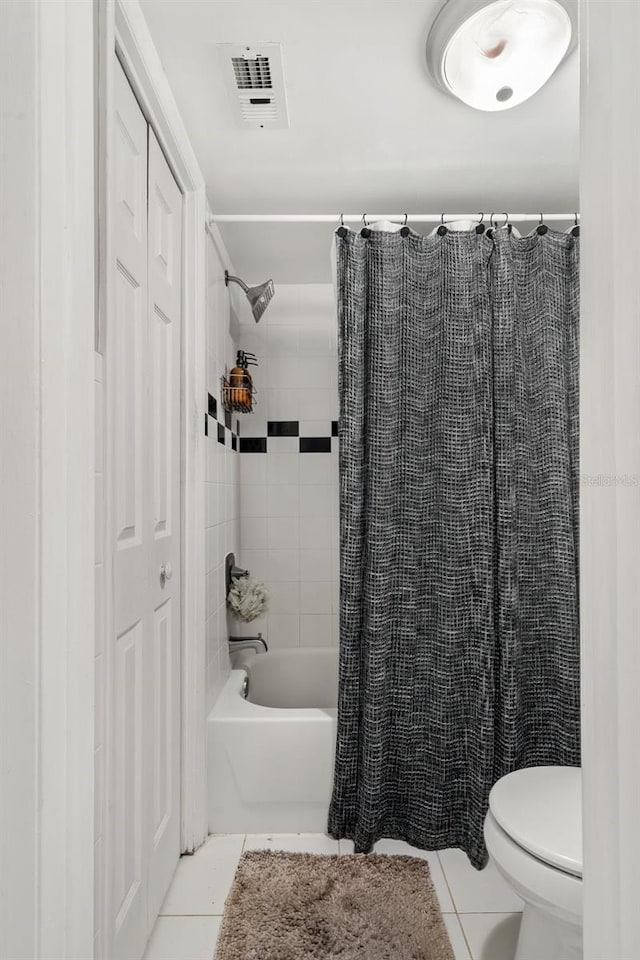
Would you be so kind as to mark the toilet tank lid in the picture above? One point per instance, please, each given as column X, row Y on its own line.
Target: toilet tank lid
column 540, row 808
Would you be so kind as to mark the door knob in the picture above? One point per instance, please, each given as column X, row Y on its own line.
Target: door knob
column 166, row 572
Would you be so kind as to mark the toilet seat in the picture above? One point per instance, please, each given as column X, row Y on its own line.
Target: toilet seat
column 540, row 809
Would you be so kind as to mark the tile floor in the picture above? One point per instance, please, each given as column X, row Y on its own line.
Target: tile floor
column 482, row 914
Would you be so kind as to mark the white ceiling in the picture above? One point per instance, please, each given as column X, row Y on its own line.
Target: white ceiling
column 368, row 129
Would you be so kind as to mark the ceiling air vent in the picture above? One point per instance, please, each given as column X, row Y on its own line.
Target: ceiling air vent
column 254, row 77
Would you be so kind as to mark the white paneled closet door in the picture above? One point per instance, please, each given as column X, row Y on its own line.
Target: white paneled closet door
column 164, row 304
column 143, row 394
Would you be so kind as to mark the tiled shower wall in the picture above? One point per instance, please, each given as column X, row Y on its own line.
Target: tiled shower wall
column 289, row 468
column 222, row 490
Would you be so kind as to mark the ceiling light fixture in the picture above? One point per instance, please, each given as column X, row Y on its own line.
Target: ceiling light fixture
column 496, row 55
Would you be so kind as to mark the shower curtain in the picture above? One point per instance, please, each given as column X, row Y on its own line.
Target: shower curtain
column 459, row 646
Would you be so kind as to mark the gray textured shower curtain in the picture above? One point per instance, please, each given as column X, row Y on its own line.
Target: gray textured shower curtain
column 459, row 648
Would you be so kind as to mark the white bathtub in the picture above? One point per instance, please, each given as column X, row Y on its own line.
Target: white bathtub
column 270, row 757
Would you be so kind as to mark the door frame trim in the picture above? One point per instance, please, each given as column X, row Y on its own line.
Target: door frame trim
column 123, row 30
column 142, row 65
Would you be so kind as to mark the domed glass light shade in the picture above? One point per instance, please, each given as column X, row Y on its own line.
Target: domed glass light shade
column 494, row 56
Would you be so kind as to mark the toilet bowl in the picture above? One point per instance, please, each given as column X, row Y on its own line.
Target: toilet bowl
column 533, row 832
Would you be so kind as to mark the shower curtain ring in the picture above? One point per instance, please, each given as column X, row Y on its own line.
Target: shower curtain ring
column 365, row 232
column 404, row 229
column 442, row 230
column 480, row 224
column 575, row 229
column 542, row 227
column 342, row 230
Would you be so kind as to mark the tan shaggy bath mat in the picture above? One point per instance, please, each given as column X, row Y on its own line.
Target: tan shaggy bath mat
column 303, row 906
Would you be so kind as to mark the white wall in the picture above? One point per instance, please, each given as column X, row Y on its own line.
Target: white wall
column 289, row 498
column 222, row 494
column 47, row 486
column 18, row 480
column 610, row 467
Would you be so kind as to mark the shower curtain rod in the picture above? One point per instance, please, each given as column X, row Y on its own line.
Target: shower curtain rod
column 369, row 217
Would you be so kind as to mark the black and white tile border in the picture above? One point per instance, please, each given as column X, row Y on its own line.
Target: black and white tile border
column 225, row 432
column 291, row 428
column 229, row 436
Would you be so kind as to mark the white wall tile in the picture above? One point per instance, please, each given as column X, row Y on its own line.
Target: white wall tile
column 335, row 596
column 283, row 445
column 285, row 306
column 211, row 542
column 253, row 533
column 283, row 533
column 284, row 631
column 254, row 340
column 283, row 373
column 284, row 597
column 99, row 515
column 316, row 340
column 315, row 565
column 282, row 565
column 316, row 500
column 315, row 532
column 282, row 340
column 99, row 609
column 317, row 404
column 256, row 562
column 210, row 504
column 294, row 494
column 283, row 405
column 315, row 596
column 237, row 628
column 254, row 424
column 282, row 467
column 315, row 428
column 315, row 468
column 253, row 498
column 283, row 500
column 317, row 372
column 253, row 467
column 222, row 489
column 315, row 630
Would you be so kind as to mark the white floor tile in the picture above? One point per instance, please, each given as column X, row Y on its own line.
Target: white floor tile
column 291, row 842
column 183, row 938
column 491, row 936
column 202, row 882
column 437, row 873
column 477, row 891
column 456, row 936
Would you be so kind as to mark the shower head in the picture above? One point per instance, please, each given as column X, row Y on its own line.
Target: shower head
column 259, row 297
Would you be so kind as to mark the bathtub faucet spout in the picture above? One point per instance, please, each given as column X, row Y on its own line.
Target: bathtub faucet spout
column 250, row 643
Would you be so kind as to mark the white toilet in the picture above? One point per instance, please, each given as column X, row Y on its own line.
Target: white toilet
column 533, row 833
